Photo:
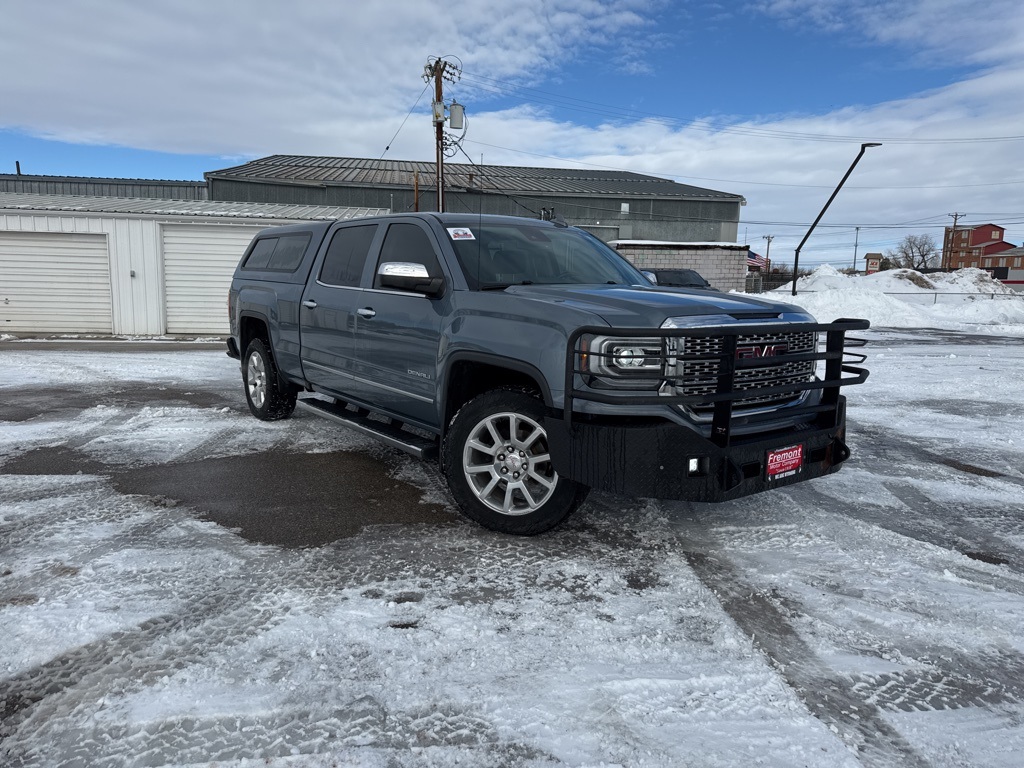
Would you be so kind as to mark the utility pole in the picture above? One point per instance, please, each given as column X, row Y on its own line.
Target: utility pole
column 438, row 75
column 856, row 242
column 440, row 70
column 947, row 246
column 767, row 251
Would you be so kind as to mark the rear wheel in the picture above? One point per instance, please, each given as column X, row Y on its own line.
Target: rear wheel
column 267, row 399
column 499, row 469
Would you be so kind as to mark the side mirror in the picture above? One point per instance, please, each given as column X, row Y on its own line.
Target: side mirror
column 407, row 276
column 650, row 276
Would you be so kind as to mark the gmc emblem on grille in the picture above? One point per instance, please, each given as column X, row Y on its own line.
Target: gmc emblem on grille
column 761, row 350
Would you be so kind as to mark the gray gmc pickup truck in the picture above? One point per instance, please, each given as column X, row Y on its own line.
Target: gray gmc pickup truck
column 536, row 363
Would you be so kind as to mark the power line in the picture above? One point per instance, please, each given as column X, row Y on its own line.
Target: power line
column 416, row 104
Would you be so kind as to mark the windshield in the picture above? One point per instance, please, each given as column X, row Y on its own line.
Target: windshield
column 680, row 277
column 497, row 255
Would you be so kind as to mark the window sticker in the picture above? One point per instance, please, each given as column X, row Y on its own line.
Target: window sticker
column 461, row 233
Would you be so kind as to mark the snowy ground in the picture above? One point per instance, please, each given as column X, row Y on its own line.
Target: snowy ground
column 874, row 617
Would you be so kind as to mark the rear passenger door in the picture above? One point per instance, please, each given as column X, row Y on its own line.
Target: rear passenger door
column 328, row 310
column 397, row 333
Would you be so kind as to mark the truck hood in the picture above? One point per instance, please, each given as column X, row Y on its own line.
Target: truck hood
column 641, row 307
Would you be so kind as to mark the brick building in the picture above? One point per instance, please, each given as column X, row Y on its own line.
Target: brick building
column 977, row 246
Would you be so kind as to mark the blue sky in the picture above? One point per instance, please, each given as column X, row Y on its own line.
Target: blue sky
column 769, row 99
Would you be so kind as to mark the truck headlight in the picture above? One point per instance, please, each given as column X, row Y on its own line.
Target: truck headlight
column 635, row 358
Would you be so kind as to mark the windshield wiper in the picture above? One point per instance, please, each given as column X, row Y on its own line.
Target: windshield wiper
column 502, row 286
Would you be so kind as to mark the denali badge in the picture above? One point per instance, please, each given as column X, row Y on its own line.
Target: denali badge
column 761, row 350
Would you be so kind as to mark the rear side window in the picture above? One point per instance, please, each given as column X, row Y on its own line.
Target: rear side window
column 261, row 253
column 278, row 254
column 289, row 252
column 346, row 255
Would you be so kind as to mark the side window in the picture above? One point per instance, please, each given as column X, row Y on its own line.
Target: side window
column 408, row 243
column 288, row 254
column 346, row 255
column 260, row 255
column 278, row 254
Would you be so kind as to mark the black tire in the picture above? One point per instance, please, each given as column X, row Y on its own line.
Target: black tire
column 515, row 491
column 268, row 400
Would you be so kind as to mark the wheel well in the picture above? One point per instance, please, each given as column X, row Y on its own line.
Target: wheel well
column 250, row 328
column 469, row 378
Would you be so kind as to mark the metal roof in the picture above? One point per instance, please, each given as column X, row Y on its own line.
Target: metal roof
column 26, row 201
column 323, row 171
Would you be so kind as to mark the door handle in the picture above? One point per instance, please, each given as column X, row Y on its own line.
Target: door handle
column 366, row 312
column 309, row 304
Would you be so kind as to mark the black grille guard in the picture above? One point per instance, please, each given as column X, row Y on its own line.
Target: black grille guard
column 841, row 369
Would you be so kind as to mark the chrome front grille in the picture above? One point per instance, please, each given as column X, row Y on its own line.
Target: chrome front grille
column 697, row 361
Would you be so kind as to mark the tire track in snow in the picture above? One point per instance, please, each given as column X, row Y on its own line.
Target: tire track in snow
column 830, row 698
column 894, row 454
column 938, row 678
column 921, row 518
column 46, row 699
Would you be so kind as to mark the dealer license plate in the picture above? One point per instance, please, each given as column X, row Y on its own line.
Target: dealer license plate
column 783, row 462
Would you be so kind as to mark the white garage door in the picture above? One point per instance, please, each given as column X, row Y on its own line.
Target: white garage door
column 198, row 264
column 54, row 282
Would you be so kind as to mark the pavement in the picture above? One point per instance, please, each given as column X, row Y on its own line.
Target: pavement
column 282, row 497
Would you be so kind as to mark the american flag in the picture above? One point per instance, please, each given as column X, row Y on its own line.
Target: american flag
column 756, row 260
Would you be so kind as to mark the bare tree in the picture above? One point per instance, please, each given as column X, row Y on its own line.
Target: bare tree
column 914, row 252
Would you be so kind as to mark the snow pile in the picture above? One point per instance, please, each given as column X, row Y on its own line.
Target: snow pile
column 966, row 300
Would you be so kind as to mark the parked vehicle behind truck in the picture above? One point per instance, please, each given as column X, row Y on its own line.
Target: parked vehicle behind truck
column 535, row 363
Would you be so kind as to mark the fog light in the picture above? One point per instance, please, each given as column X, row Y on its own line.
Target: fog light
column 694, row 466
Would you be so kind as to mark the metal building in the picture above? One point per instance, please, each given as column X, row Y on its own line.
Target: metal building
column 614, row 205
column 128, row 266
column 85, row 185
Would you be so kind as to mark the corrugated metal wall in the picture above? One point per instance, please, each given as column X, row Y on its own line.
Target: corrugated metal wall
column 648, row 219
column 133, row 253
column 133, row 247
column 58, row 185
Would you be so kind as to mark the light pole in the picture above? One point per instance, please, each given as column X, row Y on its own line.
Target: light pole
column 796, row 259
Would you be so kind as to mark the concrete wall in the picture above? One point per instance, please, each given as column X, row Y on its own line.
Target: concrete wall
column 723, row 265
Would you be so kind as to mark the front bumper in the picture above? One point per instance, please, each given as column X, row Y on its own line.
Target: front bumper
column 727, row 457
column 654, row 460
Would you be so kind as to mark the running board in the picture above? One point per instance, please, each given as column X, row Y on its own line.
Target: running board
column 389, row 434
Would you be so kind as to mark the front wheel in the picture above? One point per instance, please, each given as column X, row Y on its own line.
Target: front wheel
column 499, row 469
column 268, row 400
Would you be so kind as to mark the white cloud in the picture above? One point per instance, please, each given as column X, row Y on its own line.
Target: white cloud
column 266, row 76
column 961, row 30
column 263, row 77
